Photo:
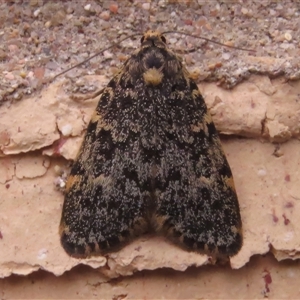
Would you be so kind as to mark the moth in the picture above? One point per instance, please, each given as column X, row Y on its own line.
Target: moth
column 151, row 161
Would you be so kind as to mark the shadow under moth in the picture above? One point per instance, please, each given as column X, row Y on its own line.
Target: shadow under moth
column 151, row 161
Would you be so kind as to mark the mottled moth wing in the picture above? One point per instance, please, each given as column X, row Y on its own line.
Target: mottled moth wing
column 106, row 192
column 151, row 158
column 197, row 205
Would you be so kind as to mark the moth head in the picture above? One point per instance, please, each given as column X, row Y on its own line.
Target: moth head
column 153, row 38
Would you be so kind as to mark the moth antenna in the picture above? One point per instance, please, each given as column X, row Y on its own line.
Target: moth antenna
column 94, row 55
column 208, row 40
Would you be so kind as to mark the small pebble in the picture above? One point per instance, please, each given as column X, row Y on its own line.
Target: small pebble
column 188, row 22
column 212, row 66
column 48, row 24
column 57, row 169
column 58, row 18
column 42, row 254
column 226, row 56
column 80, row 82
column 162, row 3
column 62, row 184
column 33, row 2
column 278, row 153
column 262, row 172
column 28, row 91
column 13, row 48
column 172, row 40
column 87, row 7
column 26, row 26
column 244, row 11
column 36, row 12
column 229, row 43
column 285, row 45
column 66, row 130
column 17, row 96
column 288, row 36
column 10, row 90
column 52, row 65
column 152, row 19
column 30, row 75
column 146, row 6
column 9, row 76
column 113, row 8
column 23, row 73
column 3, row 54
column 70, row 10
column 201, row 21
column 39, row 72
column 105, row 15
column 108, row 54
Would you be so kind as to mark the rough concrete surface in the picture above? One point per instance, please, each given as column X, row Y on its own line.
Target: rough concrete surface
column 42, row 125
column 262, row 278
column 266, row 178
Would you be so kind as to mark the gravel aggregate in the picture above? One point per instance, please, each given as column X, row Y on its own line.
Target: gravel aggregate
column 41, row 38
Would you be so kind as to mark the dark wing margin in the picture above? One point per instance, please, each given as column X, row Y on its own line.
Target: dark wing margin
column 104, row 206
column 197, row 205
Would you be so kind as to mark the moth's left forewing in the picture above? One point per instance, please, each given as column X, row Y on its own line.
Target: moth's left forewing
column 104, row 206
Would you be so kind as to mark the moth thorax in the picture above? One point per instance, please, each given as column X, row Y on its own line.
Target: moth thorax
column 153, row 76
